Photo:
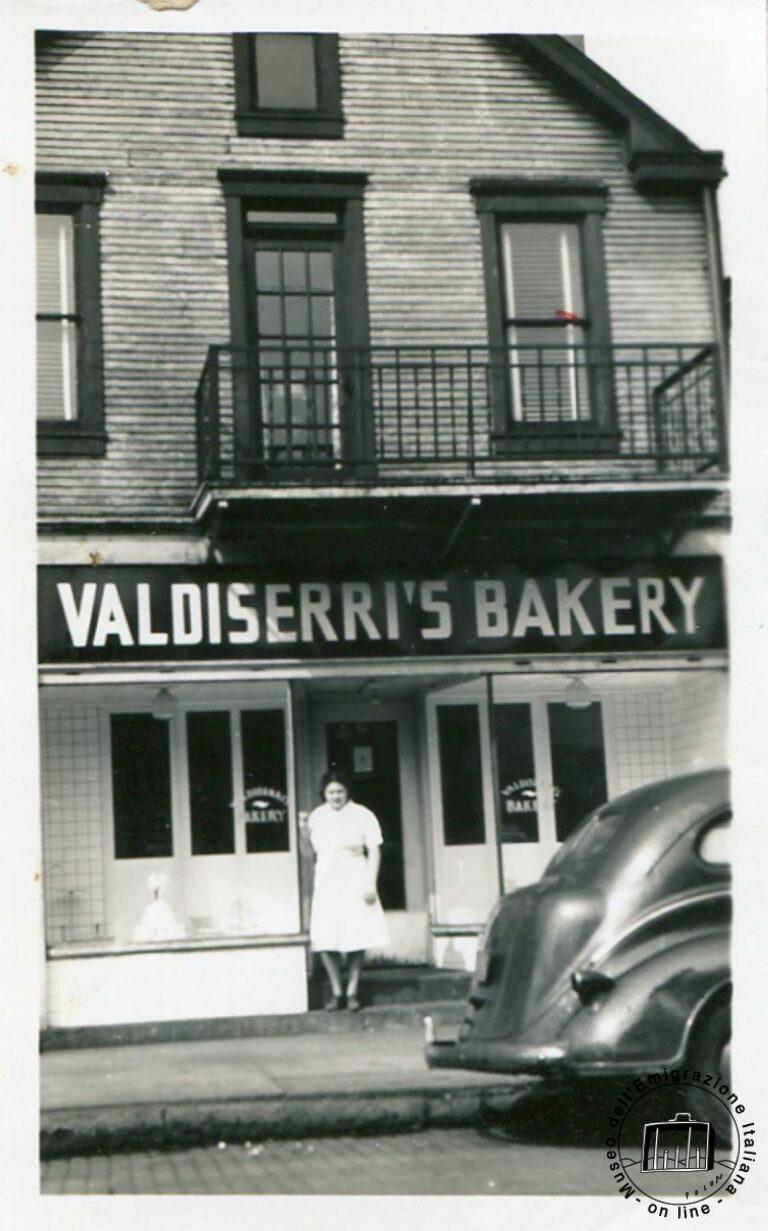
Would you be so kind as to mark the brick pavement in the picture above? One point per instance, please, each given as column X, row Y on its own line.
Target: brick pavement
column 433, row 1162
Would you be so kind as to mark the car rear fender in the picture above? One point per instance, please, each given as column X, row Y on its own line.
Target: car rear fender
column 648, row 1015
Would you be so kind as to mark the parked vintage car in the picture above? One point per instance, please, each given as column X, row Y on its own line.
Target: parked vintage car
column 617, row 961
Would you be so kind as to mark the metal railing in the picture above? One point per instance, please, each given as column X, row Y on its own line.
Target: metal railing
column 436, row 413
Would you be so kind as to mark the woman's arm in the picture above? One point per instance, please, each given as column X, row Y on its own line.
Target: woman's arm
column 305, row 841
column 373, row 854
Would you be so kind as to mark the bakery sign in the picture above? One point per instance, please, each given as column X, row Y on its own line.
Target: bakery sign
column 151, row 613
column 266, row 819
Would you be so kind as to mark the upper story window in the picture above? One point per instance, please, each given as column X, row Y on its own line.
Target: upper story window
column 288, row 85
column 70, row 398
column 548, row 320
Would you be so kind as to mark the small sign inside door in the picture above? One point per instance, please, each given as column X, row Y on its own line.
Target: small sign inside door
column 362, row 759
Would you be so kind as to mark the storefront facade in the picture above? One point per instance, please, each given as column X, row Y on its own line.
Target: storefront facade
column 180, row 740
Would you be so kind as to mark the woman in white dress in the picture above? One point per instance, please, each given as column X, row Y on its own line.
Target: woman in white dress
column 346, row 917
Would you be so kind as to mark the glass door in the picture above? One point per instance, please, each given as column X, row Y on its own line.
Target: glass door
column 294, row 259
column 297, row 376
column 551, row 772
column 466, row 858
column 240, row 870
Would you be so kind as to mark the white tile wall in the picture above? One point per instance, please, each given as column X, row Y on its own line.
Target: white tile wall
column 73, row 856
column 696, row 713
column 635, row 731
column 664, row 731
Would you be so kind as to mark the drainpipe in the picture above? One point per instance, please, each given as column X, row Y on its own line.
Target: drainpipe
column 717, row 295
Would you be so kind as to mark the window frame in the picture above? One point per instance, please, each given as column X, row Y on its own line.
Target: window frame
column 243, row 189
column 583, row 203
column 79, row 194
column 326, row 120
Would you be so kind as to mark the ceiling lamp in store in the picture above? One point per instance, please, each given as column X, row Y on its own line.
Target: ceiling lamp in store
column 577, row 696
column 164, row 707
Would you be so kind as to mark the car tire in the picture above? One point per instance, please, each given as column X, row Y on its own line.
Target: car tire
column 709, row 1052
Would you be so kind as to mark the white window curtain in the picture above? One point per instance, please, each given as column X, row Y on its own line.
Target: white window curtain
column 56, row 324
column 543, row 288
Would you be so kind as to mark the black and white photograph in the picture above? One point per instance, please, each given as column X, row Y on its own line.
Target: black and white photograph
column 383, row 513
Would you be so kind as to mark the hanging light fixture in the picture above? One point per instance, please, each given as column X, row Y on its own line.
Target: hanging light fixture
column 164, row 706
column 577, row 696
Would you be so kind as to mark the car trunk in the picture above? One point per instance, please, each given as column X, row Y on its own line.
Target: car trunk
column 530, row 952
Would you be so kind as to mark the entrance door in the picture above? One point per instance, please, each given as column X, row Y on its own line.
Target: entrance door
column 368, row 754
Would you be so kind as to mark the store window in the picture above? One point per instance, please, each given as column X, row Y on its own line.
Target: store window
column 288, row 85
column 211, row 790
column 141, row 786
column 578, row 763
column 265, row 781
column 201, row 832
column 519, row 805
column 70, row 395
column 461, row 774
column 548, row 323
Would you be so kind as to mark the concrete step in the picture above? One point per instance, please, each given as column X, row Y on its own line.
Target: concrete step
column 396, row 985
column 371, row 1018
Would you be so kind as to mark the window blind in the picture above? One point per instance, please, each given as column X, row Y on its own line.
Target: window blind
column 543, row 286
column 57, row 330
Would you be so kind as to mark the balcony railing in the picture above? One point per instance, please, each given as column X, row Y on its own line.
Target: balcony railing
column 425, row 414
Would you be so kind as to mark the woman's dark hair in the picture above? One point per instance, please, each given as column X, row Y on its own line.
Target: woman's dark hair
column 333, row 775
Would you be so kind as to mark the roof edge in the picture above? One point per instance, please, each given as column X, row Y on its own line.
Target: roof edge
column 678, row 159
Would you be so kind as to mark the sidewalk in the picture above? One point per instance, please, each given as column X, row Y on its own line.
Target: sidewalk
column 194, row 1093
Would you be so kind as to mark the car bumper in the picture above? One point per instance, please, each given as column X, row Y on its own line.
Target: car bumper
column 546, row 1059
column 491, row 1055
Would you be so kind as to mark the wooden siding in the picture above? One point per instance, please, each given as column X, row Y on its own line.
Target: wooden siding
column 423, row 115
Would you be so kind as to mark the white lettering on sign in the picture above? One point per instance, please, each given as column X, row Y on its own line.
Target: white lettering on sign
column 186, row 613
column 315, row 605
column 214, row 613
column 492, row 610
column 491, row 614
column 532, row 612
column 240, row 614
column 356, row 603
column 569, row 606
column 613, row 604
column 144, row 610
column 650, row 592
column 392, row 611
column 277, row 612
column 688, row 598
column 78, row 618
column 432, row 604
column 112, row 621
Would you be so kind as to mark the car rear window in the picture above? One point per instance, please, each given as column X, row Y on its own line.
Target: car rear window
column 714, row 842
column 590, row 840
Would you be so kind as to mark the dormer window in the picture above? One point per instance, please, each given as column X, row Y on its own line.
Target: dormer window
column 288, row 85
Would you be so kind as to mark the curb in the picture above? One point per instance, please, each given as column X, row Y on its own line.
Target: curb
column 372, row 1018
column 164, row 1126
